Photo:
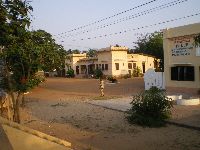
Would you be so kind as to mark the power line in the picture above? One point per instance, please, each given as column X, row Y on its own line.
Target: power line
column 167, row 5
column 78, row 46
column 142, row 27
column 136, row 34
column 81, row 27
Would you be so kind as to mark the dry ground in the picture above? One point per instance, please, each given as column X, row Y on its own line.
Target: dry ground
column 58, row 108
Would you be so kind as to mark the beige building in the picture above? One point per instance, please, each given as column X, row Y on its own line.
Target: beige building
column 113, row 61
column 182, row 58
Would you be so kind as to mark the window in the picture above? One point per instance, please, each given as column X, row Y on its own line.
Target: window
column 182, row 73
column 143, row 67
column 117, row 66
column 77, row 69
column 129, row 65
column 134, row 65
column 106, row 66
column 102, row 66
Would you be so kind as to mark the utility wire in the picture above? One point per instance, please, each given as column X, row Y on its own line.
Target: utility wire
column 136, row 34
column 167, row 5
column 81, row 27
column 142, row 27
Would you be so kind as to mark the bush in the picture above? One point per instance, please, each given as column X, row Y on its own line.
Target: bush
column 70, row 73
column 137, row 72
column 126, row 76
column 98, row 73
column 112, row 79
column 150, row 108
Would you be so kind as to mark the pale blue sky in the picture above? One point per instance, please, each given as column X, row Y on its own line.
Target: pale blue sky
column 58, row 16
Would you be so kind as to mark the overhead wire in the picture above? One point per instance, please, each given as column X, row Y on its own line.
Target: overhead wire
column 98, row 21
column 167, row 5
column 142, row 27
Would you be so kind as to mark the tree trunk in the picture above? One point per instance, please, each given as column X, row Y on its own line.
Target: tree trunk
column 16, row 116
column 23, row 101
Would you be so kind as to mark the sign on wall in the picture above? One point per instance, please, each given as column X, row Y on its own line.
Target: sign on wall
column 182, row 46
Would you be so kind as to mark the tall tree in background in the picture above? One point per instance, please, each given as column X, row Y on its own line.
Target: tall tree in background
column 52, row 54
column 197, row 40
column 69, row 51
column 152, row 45
column 76, row 51
column 92, row 53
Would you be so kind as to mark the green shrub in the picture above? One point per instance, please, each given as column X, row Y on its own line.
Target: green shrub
column 137, row 72
column 98, row 73
column 150, row 108
column 70, row 73
column 112, row 79
column 126, row 76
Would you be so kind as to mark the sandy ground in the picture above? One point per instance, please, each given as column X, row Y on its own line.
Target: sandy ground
column 58, row 108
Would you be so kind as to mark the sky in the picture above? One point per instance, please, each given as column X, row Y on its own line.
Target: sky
column 63, row 19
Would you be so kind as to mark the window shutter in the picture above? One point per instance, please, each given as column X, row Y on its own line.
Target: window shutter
column 174, row 73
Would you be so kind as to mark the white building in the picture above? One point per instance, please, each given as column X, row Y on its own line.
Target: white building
column 113, row 61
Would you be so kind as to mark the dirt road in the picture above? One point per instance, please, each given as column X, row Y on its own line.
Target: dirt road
column 58, row 108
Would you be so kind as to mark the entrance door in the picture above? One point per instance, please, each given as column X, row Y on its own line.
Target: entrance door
column 77, row 70
column 143, row 67
column 129, row 72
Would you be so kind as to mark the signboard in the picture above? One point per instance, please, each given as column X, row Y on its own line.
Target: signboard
column 182, row 46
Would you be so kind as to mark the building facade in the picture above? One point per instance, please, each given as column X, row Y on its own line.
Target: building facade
column 113, row 61
column 182, row 58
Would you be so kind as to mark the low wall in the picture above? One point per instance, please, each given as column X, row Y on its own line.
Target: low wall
column 4, row 121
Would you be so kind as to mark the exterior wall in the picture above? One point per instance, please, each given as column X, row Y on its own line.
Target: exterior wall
column 105, row 57
column 119, row 57
column 179, row 50
column 84, row 65
column 141, row 60
column 72, row 61
column 111, row 57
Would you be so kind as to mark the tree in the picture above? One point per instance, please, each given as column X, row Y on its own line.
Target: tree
column 152, row 45
column 92, row 53
column 52, row 55
column 13, row 24
column 69, row 51
column 197, row 40
column 76, row 51
column 60, row 65
column 24, row 52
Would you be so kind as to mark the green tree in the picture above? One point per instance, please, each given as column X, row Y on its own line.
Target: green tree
column 13, row 24
column 52, row 55
column 69, row 51
column 92, row 53
column 152, row 45
column 60, row 63
column 197, row 40
column 76, row 51
column 24, row 52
